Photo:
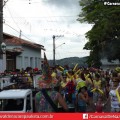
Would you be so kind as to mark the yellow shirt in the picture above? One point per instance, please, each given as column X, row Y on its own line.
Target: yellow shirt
column 53, row 75
column 97, row 83
column 80, row 84
column 68, row 79
column 63, row 84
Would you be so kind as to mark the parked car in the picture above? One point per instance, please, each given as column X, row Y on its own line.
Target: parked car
column 16, row 100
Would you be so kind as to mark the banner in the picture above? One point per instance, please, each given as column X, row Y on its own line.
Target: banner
column 60, row 116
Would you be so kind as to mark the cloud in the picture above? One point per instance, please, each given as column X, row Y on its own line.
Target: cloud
column 61, row 3
column 42, row 19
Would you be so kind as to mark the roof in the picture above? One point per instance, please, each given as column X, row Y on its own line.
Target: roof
column 106, row 62
column 19, row 50
column 13, row 40
column 14, row 93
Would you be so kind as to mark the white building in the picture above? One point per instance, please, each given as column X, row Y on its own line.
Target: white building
column 111, row 65
column 21, row 53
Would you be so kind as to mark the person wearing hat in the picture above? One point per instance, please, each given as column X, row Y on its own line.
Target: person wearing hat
column 117, row 69
column 49, row 87
column 48, row 97
column 81, row 100
column 43, row 105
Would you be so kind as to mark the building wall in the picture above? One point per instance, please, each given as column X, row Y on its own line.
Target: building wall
column 3, row 63
column 30, row 57
column 111, row 65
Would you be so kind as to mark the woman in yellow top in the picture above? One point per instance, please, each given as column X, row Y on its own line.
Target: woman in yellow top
column 63, row 85
column 88, row 80
column 96, row 88
column 97, row 83
column 64, row 81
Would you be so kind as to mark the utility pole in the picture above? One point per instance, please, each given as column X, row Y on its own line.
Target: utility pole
column 20, row 34
column 54, row 36
column 2, row 44
column 53, row 50
column 1, row 26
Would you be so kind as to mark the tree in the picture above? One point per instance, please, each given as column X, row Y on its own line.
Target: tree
column 104, row 37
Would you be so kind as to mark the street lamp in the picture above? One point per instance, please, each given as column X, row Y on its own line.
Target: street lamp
column 60, row 45
column 3, row 47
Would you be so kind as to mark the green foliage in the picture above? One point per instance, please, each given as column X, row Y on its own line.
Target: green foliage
column 104, row 37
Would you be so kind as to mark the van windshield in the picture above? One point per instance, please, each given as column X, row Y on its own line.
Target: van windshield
column 11, row 104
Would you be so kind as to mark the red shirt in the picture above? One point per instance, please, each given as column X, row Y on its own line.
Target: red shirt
column 99, row 107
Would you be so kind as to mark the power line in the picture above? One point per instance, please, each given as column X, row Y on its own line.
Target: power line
column 12, row 17
column 18, row 31
column 15, row 24
column 12, row 27
column 46, row 16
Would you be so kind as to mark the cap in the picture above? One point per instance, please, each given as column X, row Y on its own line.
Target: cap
column 117, row 69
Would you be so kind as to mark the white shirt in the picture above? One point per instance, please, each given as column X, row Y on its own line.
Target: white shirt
column 114, row 99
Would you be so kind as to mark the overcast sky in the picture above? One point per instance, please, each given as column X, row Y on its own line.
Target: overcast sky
column 39, row 20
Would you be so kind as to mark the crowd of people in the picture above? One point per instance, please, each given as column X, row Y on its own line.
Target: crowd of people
column 85, row 89
column 77, row 89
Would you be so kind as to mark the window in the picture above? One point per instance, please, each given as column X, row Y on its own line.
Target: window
column 36, row 65
column 28, row 103
column 26, row 62
column 11, row 104
column 31, row 62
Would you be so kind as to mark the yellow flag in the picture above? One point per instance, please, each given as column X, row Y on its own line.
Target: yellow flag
column 118, row 96
column 75, row 67
column 61, row 67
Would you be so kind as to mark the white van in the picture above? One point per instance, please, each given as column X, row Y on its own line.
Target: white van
column 16, row 100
